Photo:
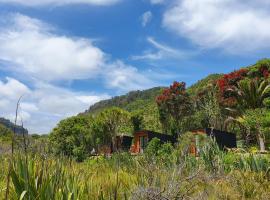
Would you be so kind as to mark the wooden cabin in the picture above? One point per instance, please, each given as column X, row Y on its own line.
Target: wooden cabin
column 224, row 139
column 123, row 143
column 143, row 137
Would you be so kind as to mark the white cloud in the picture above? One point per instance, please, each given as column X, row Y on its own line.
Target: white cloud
column 12, row 89
column 126, row 78
column 162, row 51
column 233, row 25
column 36, row 51
column 157, row 1
column 59, row 2
column 44, row 105
column 146, row 18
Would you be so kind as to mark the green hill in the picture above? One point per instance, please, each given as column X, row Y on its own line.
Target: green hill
column 143, row 102
column 131, row 101
column 137, row 100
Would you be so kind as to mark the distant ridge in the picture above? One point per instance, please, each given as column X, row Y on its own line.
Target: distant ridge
column 10, row 125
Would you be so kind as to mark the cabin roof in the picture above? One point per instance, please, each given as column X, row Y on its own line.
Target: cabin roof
column 153, row 134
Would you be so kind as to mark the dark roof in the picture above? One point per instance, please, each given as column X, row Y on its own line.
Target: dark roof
column 163, row 137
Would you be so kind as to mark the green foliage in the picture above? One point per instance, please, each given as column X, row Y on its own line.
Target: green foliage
column 203, row 84
column 153, row 147
column 250, row 94
column 174, row 102
column 160, row 152
column 137, row 121
column 212, row 156
column 113, row 122
column 72, row 135
column 5, row 133
column 236, row 176
column 132, row 101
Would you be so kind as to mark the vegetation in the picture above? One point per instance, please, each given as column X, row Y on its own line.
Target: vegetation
column 162, row 172
column 65, row 165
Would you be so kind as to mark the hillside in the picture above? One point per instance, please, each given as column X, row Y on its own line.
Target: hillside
column 143, row 102
column 199, row 85
column 8, row 124
column 131, row 101
column 137, row 100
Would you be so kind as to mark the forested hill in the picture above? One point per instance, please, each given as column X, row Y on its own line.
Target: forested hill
column 135, row 100
column 131, row 101
column 8, row 124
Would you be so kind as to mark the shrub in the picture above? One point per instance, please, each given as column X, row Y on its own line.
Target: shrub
column 153, row 147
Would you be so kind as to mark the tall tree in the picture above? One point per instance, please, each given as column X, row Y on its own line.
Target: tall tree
column 113, row 121
column 211, row 109
column 175, row 102
column 137, row 120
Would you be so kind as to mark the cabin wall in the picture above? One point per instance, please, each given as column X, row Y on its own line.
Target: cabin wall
column 136, row 146
column 223, row 138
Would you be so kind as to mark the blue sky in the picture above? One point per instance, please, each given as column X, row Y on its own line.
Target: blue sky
column 64, row 55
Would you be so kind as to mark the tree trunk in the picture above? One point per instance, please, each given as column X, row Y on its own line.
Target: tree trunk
column 261, row 143
column 114, row 149
column 260, row 138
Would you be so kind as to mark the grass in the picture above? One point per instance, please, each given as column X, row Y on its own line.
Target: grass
column 215, row 175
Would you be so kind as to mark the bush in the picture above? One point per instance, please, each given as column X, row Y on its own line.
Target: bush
column 79, row 154
column 153, row 147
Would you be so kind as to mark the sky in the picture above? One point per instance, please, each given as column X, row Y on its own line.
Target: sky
column 65, row 55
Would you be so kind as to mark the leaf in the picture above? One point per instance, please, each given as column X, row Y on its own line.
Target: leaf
column 23, row 194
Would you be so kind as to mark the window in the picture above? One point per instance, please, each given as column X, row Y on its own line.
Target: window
column 143, row 143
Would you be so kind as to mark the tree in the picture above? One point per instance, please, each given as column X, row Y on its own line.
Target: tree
column 175, row 102
column 71, row 135
column 257, row 121
column 112, row 121
column 251, row 93
column 5, row 133
column 250, row 96
column 137, row 120
column 211, row 109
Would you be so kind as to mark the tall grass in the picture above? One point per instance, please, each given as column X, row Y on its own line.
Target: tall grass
column 214, row 175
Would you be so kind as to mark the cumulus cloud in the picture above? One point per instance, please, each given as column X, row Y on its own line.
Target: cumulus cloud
column 12, row 89
column 126, row 78
column 232, row 25
column 146, row 18
column 59, row 2
column 44, row 105
column 35, row 50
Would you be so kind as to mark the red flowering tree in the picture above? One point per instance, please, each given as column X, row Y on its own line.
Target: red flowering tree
column 174, row 102
column 226, row 83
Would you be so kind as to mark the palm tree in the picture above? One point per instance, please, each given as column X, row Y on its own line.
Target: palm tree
column 250, row 95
